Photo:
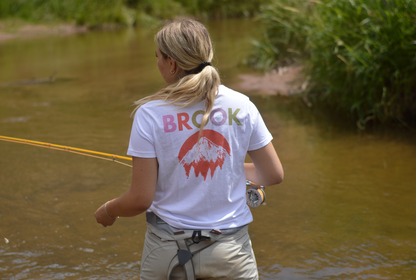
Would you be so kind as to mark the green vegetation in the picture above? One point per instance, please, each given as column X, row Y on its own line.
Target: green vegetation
column 82, row 12
column 96, row 13
column 360, row 55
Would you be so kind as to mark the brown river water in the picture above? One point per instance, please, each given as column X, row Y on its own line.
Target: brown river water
column 346, row 208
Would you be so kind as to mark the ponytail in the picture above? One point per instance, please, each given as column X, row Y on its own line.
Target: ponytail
column 188, row 43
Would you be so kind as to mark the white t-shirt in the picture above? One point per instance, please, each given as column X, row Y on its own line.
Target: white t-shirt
column 200, row 186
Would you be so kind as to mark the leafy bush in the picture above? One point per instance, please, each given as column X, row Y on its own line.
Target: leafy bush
column 124, row 12
column 91, row 13
column 223, row 8
column 162, row 9
column 360, row 54
column 286, row 25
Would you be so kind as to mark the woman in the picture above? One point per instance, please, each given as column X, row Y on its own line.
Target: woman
column 189, row 142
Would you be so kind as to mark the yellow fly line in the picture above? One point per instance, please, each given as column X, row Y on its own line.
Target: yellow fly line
column 67, row 149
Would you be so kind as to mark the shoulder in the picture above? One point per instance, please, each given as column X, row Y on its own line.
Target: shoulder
column 235, row 98
column 153, row 107
column 230, row 93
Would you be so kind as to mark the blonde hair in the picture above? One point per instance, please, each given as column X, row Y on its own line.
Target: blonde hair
column 188, row 43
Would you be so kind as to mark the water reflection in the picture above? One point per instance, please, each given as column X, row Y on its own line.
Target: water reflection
column 345, row 209
column 346, row 203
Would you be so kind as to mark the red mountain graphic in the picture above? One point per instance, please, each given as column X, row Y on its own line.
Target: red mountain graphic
column 206, row 154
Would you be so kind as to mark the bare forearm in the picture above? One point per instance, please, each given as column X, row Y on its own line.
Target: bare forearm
column 251, row 173
column 137, row 199
column 127, row 205
column 266, row 168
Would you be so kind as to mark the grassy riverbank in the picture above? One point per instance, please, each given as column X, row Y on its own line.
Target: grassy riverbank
column 98, row 13
column 360, row 55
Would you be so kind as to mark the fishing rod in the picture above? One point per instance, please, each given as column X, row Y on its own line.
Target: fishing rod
column 90, row 153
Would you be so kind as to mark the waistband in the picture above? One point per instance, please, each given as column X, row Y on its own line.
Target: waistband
column 161, row 225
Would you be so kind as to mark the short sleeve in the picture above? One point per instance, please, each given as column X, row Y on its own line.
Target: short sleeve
column 142, row 142
column 260, row 135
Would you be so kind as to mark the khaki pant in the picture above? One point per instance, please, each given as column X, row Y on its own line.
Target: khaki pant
column 230, row 257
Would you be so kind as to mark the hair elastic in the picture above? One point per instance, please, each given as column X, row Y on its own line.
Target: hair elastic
column 202, row 66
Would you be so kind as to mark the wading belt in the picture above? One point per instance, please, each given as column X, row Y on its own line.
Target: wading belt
column 189, row 242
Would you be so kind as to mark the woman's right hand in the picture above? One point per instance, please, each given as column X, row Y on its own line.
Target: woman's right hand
column 102, row 217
